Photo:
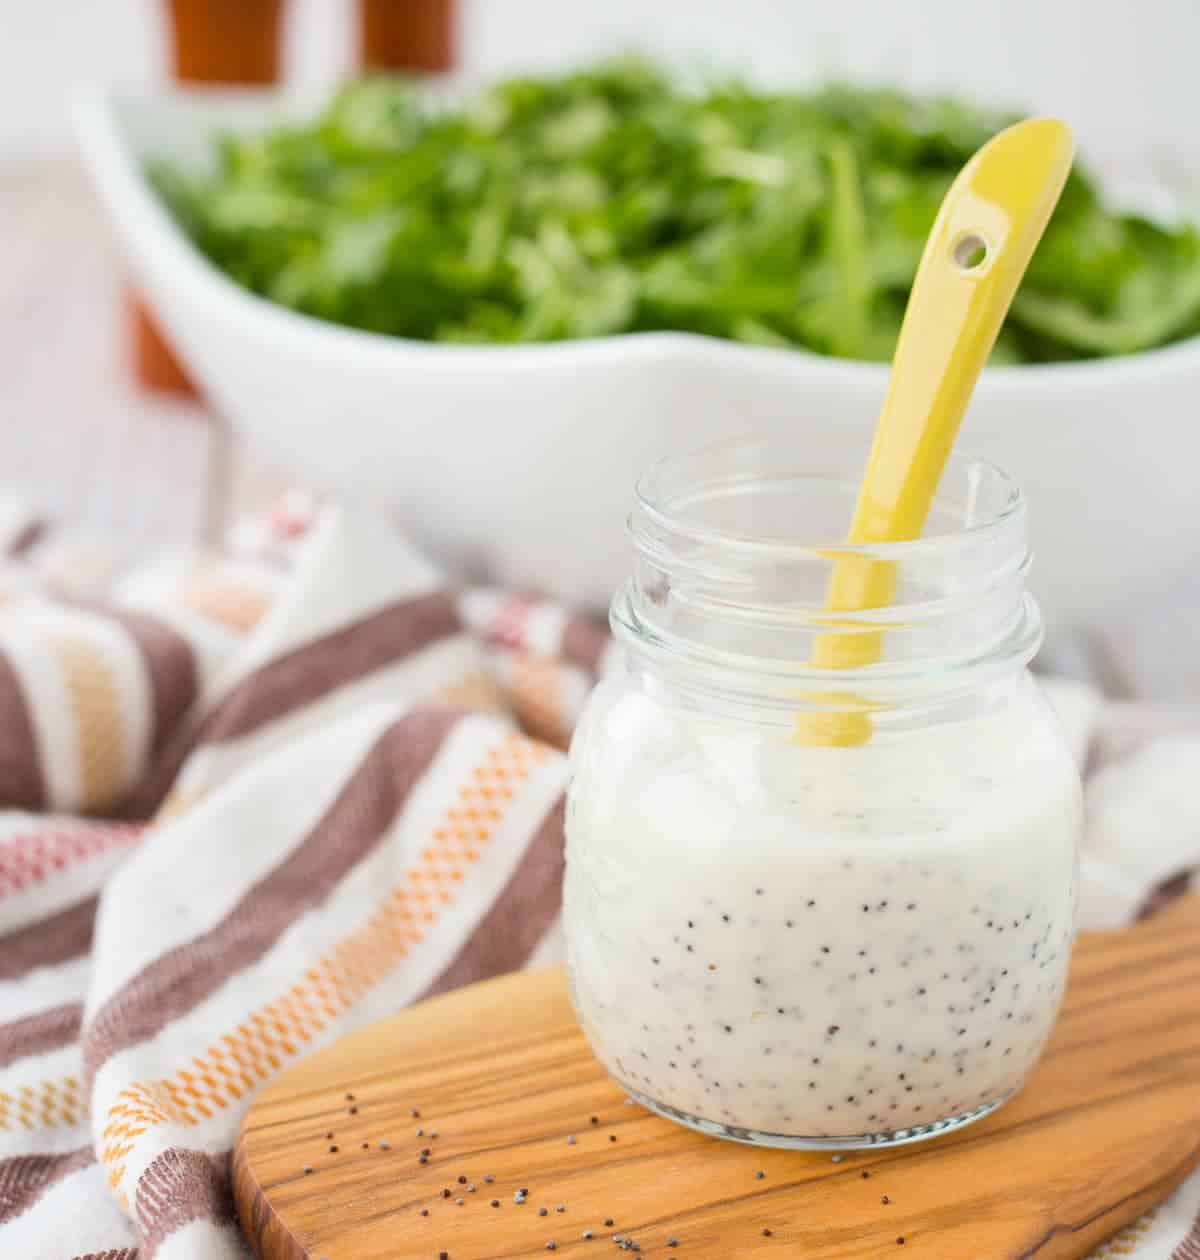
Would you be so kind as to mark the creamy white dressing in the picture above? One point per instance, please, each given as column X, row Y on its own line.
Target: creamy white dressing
column 819, row 943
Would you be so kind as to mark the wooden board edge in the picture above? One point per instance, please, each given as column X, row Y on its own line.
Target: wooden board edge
column 265, row 1233
column 1103, row 1226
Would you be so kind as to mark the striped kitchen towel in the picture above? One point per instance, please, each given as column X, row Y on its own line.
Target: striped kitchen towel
column 250, row 802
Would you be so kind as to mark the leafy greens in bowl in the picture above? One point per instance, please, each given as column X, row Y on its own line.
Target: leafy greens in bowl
column 614, row 200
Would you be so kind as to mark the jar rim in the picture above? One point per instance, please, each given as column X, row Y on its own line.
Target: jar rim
column 730, row 585
column 654, row 501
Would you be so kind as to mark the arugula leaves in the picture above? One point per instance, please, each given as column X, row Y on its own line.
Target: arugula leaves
column 612, row 200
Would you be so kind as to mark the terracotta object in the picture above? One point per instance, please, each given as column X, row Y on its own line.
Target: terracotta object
column 407, row 34
column 209, row 41
column 225, row 41
column 239, row 42
column 154, row 363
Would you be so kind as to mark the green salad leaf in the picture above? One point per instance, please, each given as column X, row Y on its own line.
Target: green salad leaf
column 613, row 200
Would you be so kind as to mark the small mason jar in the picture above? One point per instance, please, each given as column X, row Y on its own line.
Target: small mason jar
column 820, row 898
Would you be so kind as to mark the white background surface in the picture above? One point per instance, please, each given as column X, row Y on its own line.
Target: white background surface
column 1124, row 72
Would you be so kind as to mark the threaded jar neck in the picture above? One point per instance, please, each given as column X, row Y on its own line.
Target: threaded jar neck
column 734, row 549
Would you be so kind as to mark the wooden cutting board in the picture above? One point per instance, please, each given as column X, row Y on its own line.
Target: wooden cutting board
column 329, row 1161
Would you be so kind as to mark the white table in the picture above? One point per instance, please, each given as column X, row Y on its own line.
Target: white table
column 76, row 437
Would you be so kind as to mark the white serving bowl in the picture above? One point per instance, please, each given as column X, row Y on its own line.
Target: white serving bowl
column 518, row 462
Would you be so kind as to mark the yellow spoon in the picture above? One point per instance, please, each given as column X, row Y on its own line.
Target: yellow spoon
column 978, row 249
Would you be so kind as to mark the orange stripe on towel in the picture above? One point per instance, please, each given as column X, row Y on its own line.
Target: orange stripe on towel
column 280, row 1029
column 96, row 707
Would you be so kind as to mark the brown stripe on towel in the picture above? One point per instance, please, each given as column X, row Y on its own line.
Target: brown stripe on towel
column 55, row 939
column 1163, row 894
column 1189, row 1246
column 25, row 1178
column 21, row 783
column 26, row 538
column 315, row 670
column 178, row 1187
column 348, row 831
column 520, row 916
column 170, row 666
column 40, row 1033
column 306, row 674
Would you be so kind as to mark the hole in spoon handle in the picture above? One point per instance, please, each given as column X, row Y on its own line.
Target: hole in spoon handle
column 970, row 252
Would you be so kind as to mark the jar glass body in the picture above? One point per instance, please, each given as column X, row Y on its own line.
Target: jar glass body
column 854, row 937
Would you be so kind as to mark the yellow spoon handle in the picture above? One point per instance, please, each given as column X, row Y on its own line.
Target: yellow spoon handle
column 998, row 206
column 982, row 240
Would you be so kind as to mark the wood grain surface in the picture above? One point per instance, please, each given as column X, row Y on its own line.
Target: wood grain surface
column 328, row 1166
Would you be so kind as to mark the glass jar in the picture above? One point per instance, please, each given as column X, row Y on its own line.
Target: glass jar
column 818, row 906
